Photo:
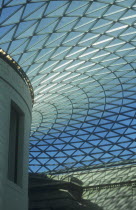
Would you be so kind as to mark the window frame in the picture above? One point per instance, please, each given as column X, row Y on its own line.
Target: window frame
column 16, row 144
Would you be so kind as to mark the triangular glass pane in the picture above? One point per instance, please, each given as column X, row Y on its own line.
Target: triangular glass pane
column 36, row 14
column 15, row 18
column 7, row 13
column 8, row 36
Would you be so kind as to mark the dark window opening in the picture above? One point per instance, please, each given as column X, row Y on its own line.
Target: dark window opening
column 16, row 138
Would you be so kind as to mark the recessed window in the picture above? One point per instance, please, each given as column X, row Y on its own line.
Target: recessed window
column 16, row 139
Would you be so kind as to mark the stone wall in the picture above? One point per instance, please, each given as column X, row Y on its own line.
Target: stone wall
column 13, row 88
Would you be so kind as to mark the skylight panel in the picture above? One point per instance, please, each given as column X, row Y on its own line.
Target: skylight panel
column 8, row 13
column 76, row 8
column 80, row 58
column 63, row 65
column 7, row 36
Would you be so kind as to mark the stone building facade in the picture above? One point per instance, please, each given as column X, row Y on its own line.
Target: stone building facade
column 15, row 121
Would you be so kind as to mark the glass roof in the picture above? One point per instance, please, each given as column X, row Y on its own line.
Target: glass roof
column 80, row 57
column 113, row 188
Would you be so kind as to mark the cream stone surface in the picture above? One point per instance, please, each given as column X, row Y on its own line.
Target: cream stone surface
column 13, row 88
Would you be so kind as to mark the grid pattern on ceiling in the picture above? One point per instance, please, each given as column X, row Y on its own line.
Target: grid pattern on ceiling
column 80, row 58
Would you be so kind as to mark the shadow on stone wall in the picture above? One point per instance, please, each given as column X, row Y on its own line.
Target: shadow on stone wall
column 49, row 194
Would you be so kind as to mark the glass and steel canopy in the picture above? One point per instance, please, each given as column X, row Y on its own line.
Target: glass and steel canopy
column 80, row 57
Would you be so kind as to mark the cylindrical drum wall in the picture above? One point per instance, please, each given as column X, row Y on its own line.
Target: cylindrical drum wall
column 15, row 121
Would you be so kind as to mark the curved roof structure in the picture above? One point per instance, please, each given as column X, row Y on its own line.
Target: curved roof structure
column 4, row 56
column 80, row 57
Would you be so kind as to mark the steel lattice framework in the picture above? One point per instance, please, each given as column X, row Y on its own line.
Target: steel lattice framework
column 80, row 57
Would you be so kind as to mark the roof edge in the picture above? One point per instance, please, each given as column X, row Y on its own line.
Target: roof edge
column 8, row 59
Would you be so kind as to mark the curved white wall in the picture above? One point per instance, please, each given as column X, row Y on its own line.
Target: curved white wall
column 13, row 88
